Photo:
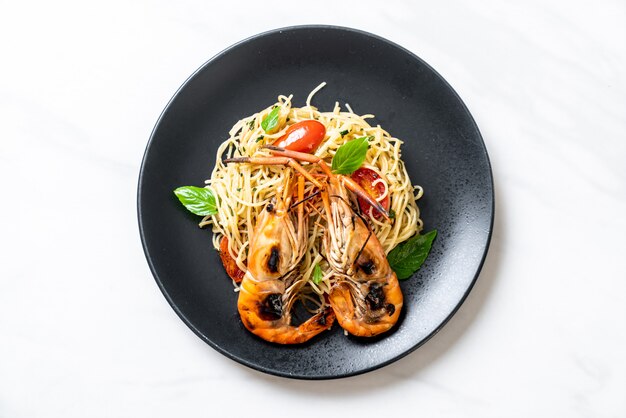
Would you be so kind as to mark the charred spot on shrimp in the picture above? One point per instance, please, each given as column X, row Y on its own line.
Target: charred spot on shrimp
column 273, row 259
column 367, row 266
column 248, row 324
column 322, row 320
column 391, row 308
column 375, row 297
column 271, row 308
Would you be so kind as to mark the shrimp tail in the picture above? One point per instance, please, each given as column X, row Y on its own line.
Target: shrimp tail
column 313, row 326
column 342, row 303
column 274, row 327
column 362, row 321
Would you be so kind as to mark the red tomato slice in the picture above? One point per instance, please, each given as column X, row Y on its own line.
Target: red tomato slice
column 365, row 177
column 230, row 265
column 303, row 136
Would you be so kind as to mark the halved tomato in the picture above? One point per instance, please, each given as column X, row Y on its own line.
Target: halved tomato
column 366, row 177
column 229, row 262
column 303, row 136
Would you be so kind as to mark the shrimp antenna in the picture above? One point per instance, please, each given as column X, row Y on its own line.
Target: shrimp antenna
column 311, row 196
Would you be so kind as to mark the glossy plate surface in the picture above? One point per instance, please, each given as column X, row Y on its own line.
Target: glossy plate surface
column 443, row 151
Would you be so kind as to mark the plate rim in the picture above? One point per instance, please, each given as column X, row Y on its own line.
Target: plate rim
column 166, row 294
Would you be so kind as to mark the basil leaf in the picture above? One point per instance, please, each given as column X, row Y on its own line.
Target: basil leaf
column 197, row 200
column 317, row 274
column 350, row 156
column 270, row 122
column 409, row 256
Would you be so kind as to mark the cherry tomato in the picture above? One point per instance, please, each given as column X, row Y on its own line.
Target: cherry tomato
column 365, row 177
column 303, row 136
column 229, row 262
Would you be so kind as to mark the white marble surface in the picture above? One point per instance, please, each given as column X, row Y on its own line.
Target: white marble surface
column 84, row 330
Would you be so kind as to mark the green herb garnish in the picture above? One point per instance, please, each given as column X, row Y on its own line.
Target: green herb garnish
column 342, row 133
column 317, row 274
column 350, row 156
column 409, row 255
column 270, row 122
column 260, row 138
column 197, row 200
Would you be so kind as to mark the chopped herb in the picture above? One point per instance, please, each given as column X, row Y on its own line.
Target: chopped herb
column 251, row 123
column 317, row 274
column 260, row 138
column 238, row 189
column 392, row 214
column 254, row 189
column 342, row 133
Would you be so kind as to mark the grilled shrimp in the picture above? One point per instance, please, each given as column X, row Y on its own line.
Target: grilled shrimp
column 267, row 291
column 366, row 299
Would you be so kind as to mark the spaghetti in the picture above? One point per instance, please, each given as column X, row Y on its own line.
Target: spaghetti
column 243, row 190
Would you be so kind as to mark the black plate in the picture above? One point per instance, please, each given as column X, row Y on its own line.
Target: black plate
column 443, row 152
